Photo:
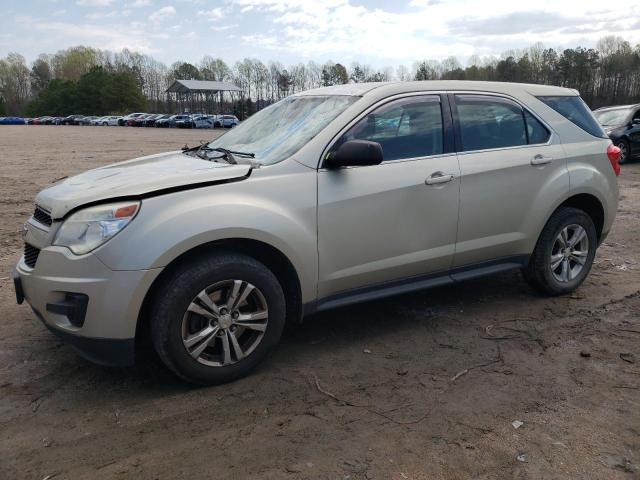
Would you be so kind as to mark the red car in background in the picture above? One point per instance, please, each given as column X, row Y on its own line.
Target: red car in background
column 124, row 121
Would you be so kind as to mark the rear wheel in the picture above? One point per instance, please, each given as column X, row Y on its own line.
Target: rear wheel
column 217, row 318
column 564, row 253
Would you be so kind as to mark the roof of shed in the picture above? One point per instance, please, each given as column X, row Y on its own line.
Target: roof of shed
column 201, row 86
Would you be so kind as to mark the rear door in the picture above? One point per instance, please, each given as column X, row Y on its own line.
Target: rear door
column 512, row 171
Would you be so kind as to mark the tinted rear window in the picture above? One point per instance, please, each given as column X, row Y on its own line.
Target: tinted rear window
column 575, row 110
column 536, row 132
column 488, row 122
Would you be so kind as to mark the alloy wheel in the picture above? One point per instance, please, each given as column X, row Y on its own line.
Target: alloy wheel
column 569, row 253
column 225, row 323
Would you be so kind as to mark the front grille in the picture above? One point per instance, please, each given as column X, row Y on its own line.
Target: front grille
column 42, row 216
column 31, row 255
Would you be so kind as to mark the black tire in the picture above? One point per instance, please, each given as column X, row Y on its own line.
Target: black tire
column 538, row 272
column 176, row 293
column 625, row 154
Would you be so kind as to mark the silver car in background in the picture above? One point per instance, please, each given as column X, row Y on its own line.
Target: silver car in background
column 326, row 198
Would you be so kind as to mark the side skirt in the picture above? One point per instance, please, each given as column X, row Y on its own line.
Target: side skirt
column 420, row 282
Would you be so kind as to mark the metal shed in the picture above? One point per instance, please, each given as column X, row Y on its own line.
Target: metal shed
column 206, row 96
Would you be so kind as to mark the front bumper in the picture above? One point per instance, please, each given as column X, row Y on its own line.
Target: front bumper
column 103, row 327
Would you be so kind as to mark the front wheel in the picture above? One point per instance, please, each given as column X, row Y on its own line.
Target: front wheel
column 217, row 318
column 564, row 253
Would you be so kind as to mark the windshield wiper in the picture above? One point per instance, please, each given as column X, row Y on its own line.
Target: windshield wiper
column 228, row 155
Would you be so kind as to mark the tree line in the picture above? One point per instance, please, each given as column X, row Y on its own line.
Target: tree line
column 87, row 80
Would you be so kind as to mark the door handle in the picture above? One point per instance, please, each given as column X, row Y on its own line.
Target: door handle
column 541, row 160
column 439, row 177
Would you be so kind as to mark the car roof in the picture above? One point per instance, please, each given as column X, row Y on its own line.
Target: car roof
column 393, row 88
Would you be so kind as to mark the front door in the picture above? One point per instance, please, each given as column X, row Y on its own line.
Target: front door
column 397, row 219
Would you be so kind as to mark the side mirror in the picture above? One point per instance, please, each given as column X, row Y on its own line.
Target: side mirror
column 356, row 153
column 635, row 121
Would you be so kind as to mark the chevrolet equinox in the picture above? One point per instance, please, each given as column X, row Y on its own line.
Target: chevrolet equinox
column 326, row 198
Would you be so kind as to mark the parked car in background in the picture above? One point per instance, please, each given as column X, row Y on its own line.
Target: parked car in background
column 46, row 120
column 86, row 120
column 622, row 124
column 12, row 121
column 111, row 120
column 229, row 121
column 124, row 120
column 308, row 206
column 96, row 121
column 172, row 120
column 139, row 120
column 71, row 120
column 151, row 122
column 186, row 122
column 202, row 121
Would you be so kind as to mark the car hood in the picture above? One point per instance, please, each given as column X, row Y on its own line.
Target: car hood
column 154, row 174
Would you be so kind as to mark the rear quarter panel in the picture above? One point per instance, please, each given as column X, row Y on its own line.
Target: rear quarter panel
column 590, row 172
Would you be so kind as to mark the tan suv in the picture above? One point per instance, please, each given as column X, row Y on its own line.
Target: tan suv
column 326, row 198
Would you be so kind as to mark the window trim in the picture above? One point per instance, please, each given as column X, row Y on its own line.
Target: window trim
column 456, row 120
column 448, row 145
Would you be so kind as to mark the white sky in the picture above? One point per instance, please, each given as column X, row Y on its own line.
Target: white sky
column 372, row 31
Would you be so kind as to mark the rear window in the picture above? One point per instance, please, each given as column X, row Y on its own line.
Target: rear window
column 575, row 110
column 488, row 122
column 536, row 132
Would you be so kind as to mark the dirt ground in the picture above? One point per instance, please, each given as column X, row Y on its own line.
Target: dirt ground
column 421, row 386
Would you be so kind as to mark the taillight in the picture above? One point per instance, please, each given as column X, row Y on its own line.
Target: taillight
column 613, row 153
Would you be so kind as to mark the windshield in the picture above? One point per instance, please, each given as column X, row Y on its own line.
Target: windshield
column 614, row 116
column 279, row 131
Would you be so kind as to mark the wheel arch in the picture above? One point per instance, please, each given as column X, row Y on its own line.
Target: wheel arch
column 591, row 205
column 274, row 259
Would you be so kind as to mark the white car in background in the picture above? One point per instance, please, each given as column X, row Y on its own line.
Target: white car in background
column 96, row 121
column 228, row 121
column 202, row 121
column 111, row 120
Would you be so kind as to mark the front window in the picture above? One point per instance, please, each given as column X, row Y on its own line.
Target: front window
column 279, row 131
column 612, row 117
column 406, row 128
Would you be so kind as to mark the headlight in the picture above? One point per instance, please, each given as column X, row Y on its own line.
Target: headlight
column 87, row 229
